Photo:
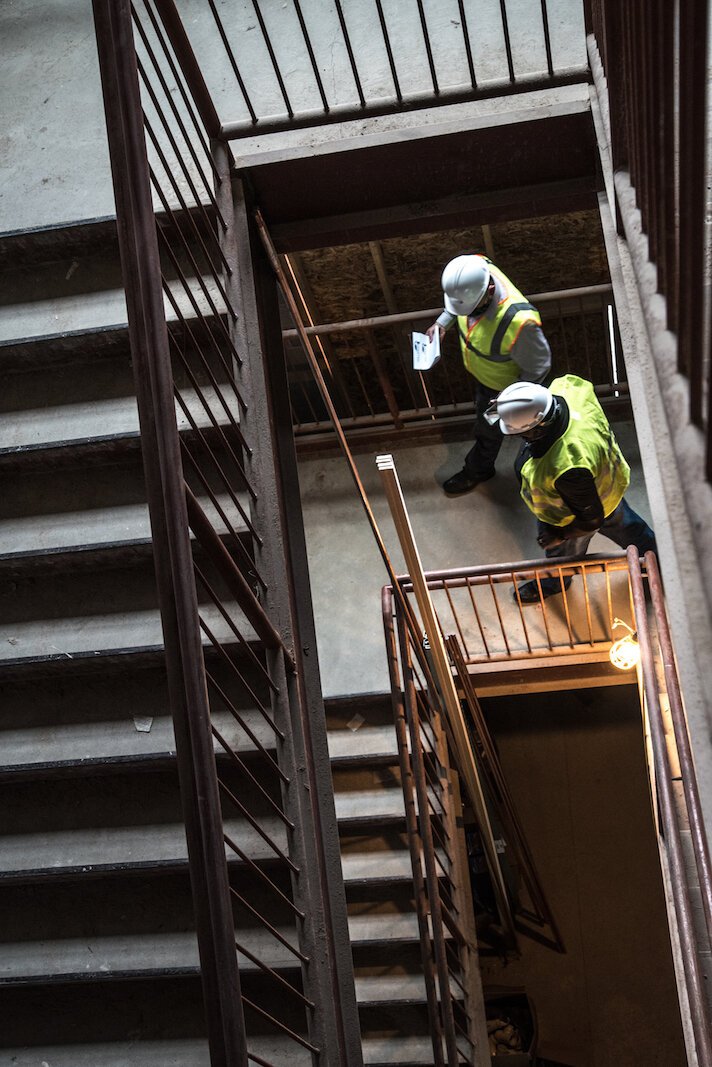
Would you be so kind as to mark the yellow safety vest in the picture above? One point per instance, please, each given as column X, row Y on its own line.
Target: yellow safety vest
column 589, row 443
column 487, row 344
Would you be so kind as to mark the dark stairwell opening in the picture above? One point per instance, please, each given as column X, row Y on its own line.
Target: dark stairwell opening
column 575, row 763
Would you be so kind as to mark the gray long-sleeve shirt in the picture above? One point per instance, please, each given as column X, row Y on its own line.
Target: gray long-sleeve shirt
column 530, row 351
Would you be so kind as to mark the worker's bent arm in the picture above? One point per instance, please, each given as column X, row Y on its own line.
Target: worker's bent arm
column 445, row 319
column 577, row 489
column 532, row 354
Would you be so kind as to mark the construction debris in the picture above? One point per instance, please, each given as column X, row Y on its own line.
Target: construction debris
column 504, row 1037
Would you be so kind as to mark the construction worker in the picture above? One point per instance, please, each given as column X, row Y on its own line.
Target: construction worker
column 572, row 472
column 502, row 342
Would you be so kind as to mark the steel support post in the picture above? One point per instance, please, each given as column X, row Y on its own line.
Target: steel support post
column 169, row 525
column 272, row 467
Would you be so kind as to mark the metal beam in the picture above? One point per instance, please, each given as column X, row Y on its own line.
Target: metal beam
column 232, row 131
column 433, row 216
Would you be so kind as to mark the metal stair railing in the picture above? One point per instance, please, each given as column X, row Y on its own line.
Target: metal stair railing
column 429, row 759
column 442, row 892
column 650, row 72
column 235, row 621
column 288, row 91
column 674, row 813
column 378, row 394
column 482, row 607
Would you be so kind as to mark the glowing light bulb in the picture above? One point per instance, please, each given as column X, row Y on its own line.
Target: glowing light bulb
column 625, row 652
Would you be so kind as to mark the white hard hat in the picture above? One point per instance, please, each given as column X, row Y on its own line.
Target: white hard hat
column 464, row 281
column 520, row 407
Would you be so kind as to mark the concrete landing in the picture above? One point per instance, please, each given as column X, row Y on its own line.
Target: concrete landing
column 489, row 525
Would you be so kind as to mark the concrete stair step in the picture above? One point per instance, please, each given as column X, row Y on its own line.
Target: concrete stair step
column 410, row 1050
column 72, row 424
column 383, row 865
column 69, row 854
column 368, row 744
column 43, row 747
column 64, row 349
column 140, row 955
column 145, row 738
column 407, row 1051
column 134, row 1053
column 62, row 455
column 106, row 849
column 28, row 539
column 374, row 805
column 66, row 842
column 70, row 309
column 61, row 243
column 394, row 989
column 95, row 614
column 101, row 635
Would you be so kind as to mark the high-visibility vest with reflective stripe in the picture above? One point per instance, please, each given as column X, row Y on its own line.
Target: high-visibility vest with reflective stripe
column 487, row 344
column 589, row 443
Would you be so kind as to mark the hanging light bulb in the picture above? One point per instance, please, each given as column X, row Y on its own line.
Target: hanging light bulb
column 625, row 652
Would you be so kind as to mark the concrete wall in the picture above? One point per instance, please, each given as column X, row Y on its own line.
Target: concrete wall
column 54, row 161
column 673, row 449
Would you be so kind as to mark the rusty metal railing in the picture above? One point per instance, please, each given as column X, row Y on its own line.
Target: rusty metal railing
column 253, row 765
column 606, row 585
column 483, row 608
column 674, row 813
column 489, row 627
column 442, row 892
column 654, row 61
column 367, row 363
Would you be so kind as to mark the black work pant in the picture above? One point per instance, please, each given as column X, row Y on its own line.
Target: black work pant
column 488, row 439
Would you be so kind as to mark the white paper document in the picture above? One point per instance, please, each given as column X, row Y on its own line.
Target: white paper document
column 425, row 353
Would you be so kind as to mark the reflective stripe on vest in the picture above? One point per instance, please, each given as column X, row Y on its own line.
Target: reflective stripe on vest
column 486, row 346
column 587, row 443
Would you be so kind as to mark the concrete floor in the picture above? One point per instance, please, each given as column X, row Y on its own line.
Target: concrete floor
column 489, row 525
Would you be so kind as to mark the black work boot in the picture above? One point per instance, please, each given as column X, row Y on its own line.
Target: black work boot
column 463, row 481
column 529, row 591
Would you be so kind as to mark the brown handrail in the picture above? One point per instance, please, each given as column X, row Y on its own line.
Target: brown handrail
column 431, row 313
column 696, row 992
column 690, row 787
